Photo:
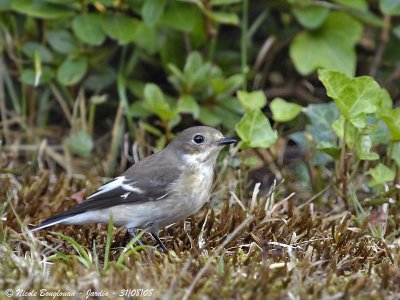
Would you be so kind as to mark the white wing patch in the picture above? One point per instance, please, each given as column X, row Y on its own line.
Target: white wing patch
column 118, row 182
column 125, row 195
column 162, row 197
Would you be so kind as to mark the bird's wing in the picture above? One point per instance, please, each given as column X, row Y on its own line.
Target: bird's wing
column 147, row 180
column 119, row 191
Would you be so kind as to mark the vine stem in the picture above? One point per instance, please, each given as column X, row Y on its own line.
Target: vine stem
column 244, row 40
column 343, row 165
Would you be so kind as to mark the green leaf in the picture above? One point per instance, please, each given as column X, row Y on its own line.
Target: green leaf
column 29, row 49
column 62, row 41
column 138, row 111
column 321, row 117
column 87, row 27
column 392, row 121
column 28, row 76
column 155, row 102
column 255, row 131
column 224, row 2
column 224, row 17
column 396, row 31
column 356, row 4
column 252, row 100
column 228, row 118
column 319, row 133
column 41, row 9
column 152, row 11
column 351, row 131
column 390, row 7
column 81, row 143
column 363, row 148
column 354, row 97
column 103, row 77
column 71, row 71
column 283, row 111
column 381, row 174
column 187, row 104
column 208, row 117
column 120, row 27
column 5, row 5
column 331, row 46
column 146, row 37
column 311, row 17
column 329, row 148
column 180, row 16
column 394, row 153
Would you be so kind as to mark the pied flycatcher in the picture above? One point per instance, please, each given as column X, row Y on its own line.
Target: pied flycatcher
column 159, row 190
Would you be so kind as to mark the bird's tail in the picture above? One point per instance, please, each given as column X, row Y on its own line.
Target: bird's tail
column 49, row 222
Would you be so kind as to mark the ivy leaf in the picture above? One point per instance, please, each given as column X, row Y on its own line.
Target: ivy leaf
column 321, row 117
column 351, row 131
column 330, row 149
column 81, row 144
column 253, row 100
column 310, row 17
column 331, row 46
column 72, row 70
column 394, row 153
column 255, row 131
column 392, row 121
column 283, row 111
column 155, row 102
column 363, row 148
column 319, row 132
column 381, row 174
column 87, row 27
column 354, row 97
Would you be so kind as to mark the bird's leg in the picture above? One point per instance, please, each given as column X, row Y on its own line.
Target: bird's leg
column 159, row 242
column 130, row 232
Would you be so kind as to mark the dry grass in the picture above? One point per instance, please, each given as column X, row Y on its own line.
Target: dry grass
column 240, row 247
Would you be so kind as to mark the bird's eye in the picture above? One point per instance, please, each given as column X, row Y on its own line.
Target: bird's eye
column 198, row 139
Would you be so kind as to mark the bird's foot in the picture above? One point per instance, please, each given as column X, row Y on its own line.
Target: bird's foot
column 160, row 243
column 131, row 234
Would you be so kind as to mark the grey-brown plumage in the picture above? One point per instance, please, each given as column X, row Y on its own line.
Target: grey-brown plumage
column 159, row 190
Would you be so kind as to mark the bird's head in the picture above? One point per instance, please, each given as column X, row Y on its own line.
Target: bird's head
column 200, row 144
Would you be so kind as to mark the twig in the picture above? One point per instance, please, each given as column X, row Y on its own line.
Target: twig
column 62, row 103
column 382, row 45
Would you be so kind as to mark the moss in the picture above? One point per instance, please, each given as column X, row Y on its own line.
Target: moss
column 277, row 255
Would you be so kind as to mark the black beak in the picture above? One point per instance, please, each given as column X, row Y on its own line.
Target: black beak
column 226, row 141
